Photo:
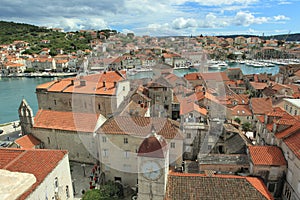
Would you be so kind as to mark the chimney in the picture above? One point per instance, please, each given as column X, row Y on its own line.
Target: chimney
column 82, row 82
column 103, row 83
column 72, row 82
column 115, row 84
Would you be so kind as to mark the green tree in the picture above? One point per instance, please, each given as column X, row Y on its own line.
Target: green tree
column 237, row 120
column 246, row 126
column 109, row 191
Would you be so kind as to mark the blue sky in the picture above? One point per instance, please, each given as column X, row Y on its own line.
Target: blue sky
column 159, row 18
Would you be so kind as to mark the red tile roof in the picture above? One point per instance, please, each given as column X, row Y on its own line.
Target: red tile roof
column 288, row 131
column 261, row 105
column 27, row 142
column 293, row 142
column 188, row 105
column 266, row 155
column 201, row 186
column 39, row 162
column 241, row 110
column 153, row 147
column 70, row 121
column 258, row 85
column 216, row 76
column 103, row 84
column 141, row 126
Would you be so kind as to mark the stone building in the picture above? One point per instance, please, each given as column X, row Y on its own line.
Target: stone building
column 35, row 174
column 268, row 163
column 98, row 93
column 121, row 137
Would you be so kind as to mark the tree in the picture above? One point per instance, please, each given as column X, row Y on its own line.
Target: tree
column 246, row 126
column 110, row 191
column 237, row 120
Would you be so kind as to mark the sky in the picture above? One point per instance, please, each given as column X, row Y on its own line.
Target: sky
column 160, row 18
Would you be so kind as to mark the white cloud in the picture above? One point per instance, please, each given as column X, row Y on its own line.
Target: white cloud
column 181, row 23
column 247, row 19
column 281, row 18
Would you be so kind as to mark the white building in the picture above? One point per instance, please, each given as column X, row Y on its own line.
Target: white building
column 35, row 174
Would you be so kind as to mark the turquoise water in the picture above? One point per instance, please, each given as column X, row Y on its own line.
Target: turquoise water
column 13, row 90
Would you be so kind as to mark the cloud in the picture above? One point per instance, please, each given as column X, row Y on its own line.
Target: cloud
column 247, row 19
column 281, row 18
column 181, row 23
column 174, row 17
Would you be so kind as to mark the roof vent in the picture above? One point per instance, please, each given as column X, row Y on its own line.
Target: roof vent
column 82, row 82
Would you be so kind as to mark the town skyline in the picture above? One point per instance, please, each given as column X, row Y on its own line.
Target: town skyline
column 155, row 18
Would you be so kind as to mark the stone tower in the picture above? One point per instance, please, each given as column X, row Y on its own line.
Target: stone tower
column 26, row 117
column 153, row 167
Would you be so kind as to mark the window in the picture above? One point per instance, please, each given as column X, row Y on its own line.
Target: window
column 105, row 152
column 56, row 182
column 99, row 106
column 298, row 186
column 70, row 103
column 125, row 140
column 54, row 102
column 67, row 192
column 271, row 187
column 295, row 112
column 48, row 140
column 103, row 139
column 172, row 144
column 126, row 154
column 123, row 88
column 188, row 135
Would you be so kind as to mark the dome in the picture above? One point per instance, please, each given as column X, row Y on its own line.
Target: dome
column 153, row 146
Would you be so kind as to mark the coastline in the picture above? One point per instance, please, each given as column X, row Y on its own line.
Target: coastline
column 36, row 75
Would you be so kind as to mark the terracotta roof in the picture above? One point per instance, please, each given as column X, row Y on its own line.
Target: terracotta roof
column 39, row 162
column 258, row 85
column 241, row 110
column 69, row 121
column 153, row 147
column 266, row 155
column 216, row 76
column 288, row 131
column 45, row 85
column 188, row 105
column 103, row 84
column 141, row 126
column 200, row 186
column 293, row 142
column 261, row 105
column 192, row 76
column 27, row 141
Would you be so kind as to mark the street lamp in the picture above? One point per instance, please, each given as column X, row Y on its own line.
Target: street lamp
column 83, row 167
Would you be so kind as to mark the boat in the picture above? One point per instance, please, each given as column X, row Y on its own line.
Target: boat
column 218, row 65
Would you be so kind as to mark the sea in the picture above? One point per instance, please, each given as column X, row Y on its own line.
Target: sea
column 14, row 89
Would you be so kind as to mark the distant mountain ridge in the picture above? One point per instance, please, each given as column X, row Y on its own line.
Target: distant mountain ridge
column 10, row 31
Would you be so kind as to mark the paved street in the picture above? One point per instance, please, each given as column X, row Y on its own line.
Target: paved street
column 80, row 181
column 9, row 132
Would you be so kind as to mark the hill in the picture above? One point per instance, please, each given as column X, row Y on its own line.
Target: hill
column 69, row 42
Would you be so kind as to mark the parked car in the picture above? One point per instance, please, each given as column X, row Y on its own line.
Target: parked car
column 1, row 131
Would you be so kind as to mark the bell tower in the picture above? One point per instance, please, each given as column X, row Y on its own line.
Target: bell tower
column 153, row 167
column 26, row 117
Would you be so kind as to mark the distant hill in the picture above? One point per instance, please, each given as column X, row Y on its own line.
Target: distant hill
column 11, row 31
column 288, row 37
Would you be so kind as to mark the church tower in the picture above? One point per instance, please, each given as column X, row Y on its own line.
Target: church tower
column 153, row 167
column 26, row 117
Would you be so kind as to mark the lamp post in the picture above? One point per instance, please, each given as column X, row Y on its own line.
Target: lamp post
column 83, row 167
